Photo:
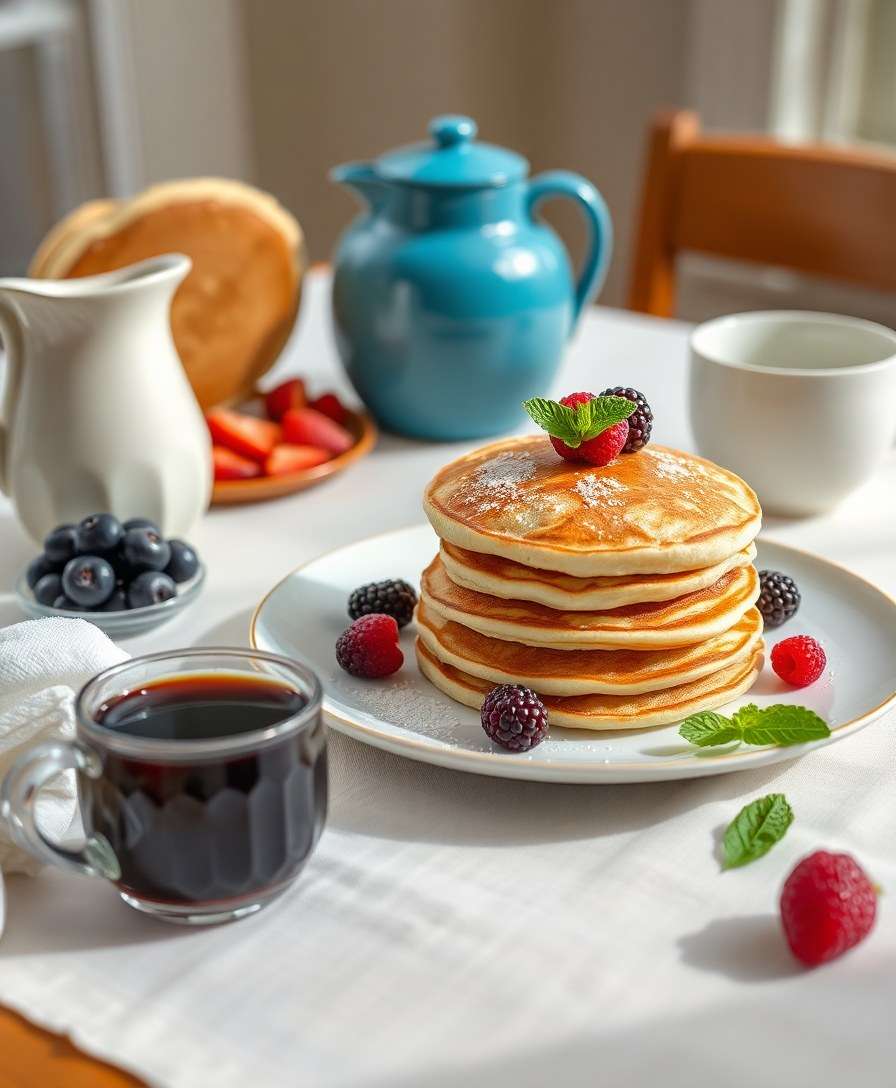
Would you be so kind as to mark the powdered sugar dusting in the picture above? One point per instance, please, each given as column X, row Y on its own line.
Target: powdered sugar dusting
column 669, row 467
column 401, row 702
column 600, row 490
column 498, row 480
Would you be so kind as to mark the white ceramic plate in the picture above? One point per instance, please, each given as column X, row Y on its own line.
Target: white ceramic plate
column 303, row 616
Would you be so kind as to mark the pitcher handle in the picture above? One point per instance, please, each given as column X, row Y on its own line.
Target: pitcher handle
column 562, row 183
column 18, row 806
column 11, row 337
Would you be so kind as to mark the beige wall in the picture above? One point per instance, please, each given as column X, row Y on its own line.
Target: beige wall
column 570, row 83
column 278, row 91
column 194, row 115
column 172, row 90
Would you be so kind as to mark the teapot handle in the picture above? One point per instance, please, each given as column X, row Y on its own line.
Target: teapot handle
column 600, row 228
column 11, row 342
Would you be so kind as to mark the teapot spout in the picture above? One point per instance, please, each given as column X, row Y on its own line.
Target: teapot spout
column 362, row 179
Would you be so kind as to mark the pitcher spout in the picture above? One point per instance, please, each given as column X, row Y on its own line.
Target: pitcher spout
column 169, row 271
column 362, row 179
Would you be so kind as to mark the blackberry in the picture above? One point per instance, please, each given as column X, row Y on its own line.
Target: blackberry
column 394, row 598
column 514, row 717
column 640, row 422
column 779, row 598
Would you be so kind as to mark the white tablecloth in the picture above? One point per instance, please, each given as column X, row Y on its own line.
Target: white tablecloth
column 452, row 929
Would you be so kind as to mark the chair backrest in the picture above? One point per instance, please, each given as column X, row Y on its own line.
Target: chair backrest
column 813, row 208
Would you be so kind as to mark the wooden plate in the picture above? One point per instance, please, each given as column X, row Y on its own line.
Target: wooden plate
column 261, row 488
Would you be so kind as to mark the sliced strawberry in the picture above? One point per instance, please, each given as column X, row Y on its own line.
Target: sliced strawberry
column 287, row 395
column 306, row 427
column 230, row 466
column 330, row 405
column 287, row 458
column 246, row 435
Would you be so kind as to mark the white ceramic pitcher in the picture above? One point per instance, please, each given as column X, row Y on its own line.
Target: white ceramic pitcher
column 99, row 415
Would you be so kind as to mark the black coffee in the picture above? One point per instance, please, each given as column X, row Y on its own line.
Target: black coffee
column 201, row 707
column 211, row 830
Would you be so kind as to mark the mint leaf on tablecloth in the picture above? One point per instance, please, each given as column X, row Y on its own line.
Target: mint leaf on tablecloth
column 756, row 829
column 708, row 728
column 782, row 724
column 577, row 425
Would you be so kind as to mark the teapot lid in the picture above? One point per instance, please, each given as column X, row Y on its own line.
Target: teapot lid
column 454, row 158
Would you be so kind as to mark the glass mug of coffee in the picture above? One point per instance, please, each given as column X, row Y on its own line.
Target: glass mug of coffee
column 202, row 781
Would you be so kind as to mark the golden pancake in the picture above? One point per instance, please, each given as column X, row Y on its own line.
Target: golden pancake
column 49, row 255
column 585, row 672
column 646, row 626
column 235, row 309
column 657, row 511
column 504, row 578
column 607, row 711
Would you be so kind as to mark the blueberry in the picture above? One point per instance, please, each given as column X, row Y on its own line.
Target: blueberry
column 151, row 587
column 88, row 580
column 141, row 523
column 64, row 604
column 37, row 568
column 118, row 602
column 145, row 549
column 99, row 534
column 62, row 544
column 48, row 589
column 184, row 562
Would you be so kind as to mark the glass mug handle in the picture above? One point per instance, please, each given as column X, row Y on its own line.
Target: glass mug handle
column 18, row 806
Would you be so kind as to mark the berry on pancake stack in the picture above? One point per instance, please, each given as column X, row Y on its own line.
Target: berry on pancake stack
column 612, row 577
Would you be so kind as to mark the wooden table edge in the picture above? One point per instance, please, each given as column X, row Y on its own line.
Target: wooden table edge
column 36, row 1058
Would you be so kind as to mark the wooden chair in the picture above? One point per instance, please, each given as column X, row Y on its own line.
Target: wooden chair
column 813, row 208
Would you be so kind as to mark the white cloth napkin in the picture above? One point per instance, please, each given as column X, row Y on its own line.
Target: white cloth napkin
column 43, row 663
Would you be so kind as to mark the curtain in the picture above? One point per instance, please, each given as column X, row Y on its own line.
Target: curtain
column 833, row 72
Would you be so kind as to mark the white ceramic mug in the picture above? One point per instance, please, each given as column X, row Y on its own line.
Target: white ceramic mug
column 802, row 405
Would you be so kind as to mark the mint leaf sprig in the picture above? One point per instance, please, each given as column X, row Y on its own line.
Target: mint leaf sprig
column 708, row 729
column 577, row 425
column 782, row 725
column 756, row 829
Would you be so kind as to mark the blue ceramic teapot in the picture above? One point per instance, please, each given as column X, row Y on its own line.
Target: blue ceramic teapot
column 452, row 302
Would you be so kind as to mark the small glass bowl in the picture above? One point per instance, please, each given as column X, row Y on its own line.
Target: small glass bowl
column 127, row 624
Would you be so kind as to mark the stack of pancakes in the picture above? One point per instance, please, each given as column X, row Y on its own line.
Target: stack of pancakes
column 624, row 595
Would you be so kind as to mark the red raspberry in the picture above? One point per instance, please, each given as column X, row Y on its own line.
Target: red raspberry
column 799, row 660
column 369, row 648
column 597, row 451
column 573, row 400
column 828, row 905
